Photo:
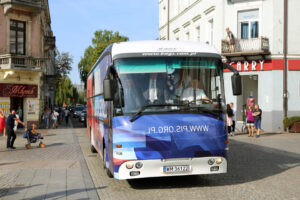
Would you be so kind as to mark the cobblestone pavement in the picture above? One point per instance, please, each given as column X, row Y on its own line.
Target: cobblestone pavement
column 57, row 171
column 264, row 168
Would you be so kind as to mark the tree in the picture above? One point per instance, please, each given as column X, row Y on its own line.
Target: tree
column 64, row 91
column 64, row 87
column 63, row 64
column 102, row 38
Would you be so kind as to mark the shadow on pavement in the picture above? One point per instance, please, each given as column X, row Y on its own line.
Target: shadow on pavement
column 54, row 144
column 246, row 163
column 5, row 192
column 64, row 193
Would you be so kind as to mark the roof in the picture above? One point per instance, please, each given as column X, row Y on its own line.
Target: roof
column 162, row 48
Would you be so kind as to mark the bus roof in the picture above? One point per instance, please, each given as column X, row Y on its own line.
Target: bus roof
column 162, row 48
column 158, row 48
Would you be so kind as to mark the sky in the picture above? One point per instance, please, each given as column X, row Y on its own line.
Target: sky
column 74, row 22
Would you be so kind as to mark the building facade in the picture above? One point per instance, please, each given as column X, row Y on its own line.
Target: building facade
column 27, row 58
column 258, row 27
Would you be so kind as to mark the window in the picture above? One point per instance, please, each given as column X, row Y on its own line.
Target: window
column 198, row 33
column 210, row 31
column 187, row 36
column 248, row 24
column 17, row 37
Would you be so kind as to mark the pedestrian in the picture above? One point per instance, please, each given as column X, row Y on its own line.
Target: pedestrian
column 257, row 119
column 46, row 117
column 2, row 122
column 10, row 123
column 20, row 113
column 250, row 120
column 62, row 115
column 54, row 118
column 233, row 119
column 230, row 36
column 16, row 123
column 67, row 116
column 229, row 115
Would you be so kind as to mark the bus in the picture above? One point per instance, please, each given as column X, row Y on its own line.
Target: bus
column 157, row 109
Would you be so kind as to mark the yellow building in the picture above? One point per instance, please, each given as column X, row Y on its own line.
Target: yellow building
column 27, row 58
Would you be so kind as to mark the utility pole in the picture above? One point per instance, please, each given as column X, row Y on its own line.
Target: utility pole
column 168, row 34
column 285, row 26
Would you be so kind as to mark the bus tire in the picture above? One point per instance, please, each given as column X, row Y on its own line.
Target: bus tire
column 93, row 149
column 104, row 164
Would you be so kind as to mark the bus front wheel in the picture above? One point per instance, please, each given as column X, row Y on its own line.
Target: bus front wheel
column 104, row 164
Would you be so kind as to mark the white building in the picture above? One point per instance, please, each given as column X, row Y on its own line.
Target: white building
column 258, row 26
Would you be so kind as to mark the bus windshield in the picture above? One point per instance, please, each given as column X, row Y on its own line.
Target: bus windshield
column 190, row 81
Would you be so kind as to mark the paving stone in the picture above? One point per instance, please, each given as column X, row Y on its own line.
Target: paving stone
column 57, row 171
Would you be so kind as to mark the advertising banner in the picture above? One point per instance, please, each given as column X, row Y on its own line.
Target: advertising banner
column 5, row 106
column 31, row 106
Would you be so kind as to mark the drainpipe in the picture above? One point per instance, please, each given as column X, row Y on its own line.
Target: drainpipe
column 168, row 35
column 285, row 100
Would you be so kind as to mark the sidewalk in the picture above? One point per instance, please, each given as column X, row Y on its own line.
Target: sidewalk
column 57, row 171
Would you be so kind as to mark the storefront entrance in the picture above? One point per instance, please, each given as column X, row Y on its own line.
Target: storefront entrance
column 250, row 88
column 15, row 102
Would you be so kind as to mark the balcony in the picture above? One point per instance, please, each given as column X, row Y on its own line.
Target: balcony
column 49, row 42
column 254, row 48
column 29, row 5
column 20, row 62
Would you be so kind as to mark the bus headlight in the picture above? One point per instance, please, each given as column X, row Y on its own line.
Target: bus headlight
column 219, row 161
column 211, row 161
column 139, row 165
column 129, row 165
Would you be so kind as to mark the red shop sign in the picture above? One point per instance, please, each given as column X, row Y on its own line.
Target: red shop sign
column 18, row 90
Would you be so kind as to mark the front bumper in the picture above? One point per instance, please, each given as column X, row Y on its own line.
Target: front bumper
column 154, row 168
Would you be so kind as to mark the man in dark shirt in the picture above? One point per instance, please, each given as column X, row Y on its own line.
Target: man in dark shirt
column 10, row 123
column 257, row 119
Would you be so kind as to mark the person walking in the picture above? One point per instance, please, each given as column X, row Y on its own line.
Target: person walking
column 11, row 135
column 229, row 115
column 54, row 118
column 233, row 119
column 16, row 122
column 67, row 116
column 257, row 119
column 20, row 113
column 46, row 117
column 2, row 122
column 250, row 121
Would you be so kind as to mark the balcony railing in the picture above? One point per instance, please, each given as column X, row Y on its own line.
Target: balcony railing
column 50, row 42
column 252, row 46
column 9, row 61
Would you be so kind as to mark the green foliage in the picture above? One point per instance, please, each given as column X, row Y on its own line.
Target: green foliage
column 65, row 92
column 81, row 98
column 289, row 121
column 102, row 39
column 63, row 64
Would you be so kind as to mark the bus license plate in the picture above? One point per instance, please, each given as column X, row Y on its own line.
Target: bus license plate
column 176, row 169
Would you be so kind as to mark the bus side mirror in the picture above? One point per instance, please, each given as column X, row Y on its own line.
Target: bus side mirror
column 108, row 90
column 236, row 82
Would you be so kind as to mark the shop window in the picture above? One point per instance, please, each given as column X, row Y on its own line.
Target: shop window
column 17, row 37
column 248, row 24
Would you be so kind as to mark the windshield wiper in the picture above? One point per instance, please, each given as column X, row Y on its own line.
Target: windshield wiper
column 140, row 111
column 192, row 105
column 214, row 112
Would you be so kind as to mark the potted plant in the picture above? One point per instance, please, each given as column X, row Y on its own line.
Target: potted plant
column 292, row 123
